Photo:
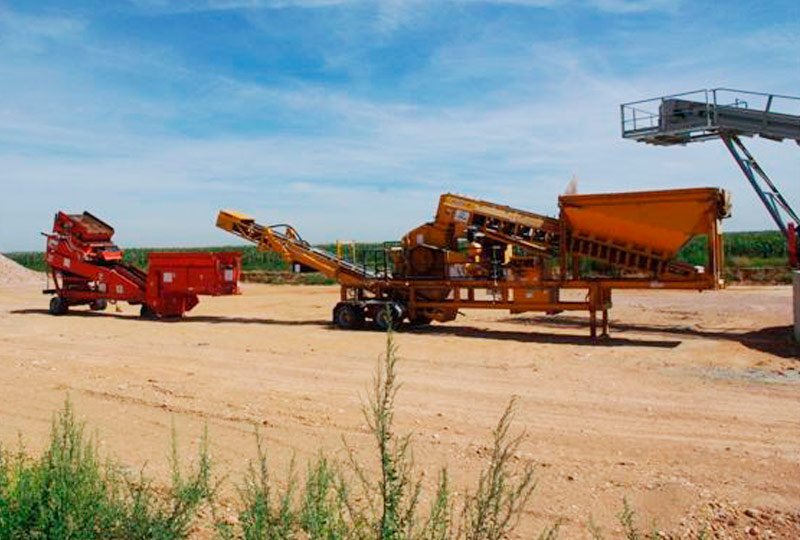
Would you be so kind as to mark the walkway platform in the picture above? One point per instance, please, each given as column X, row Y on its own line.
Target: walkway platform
column 706, row 114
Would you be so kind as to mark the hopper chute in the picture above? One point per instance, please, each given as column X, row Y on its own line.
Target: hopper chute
column 640, row 230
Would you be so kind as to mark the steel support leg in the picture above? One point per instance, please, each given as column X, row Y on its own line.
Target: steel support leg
column 604, row 330
column 772, row 199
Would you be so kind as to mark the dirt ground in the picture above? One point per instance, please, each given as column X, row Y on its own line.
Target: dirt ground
column 691, row 410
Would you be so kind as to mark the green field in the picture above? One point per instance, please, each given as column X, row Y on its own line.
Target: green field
column 252, row 259
column 743, row 250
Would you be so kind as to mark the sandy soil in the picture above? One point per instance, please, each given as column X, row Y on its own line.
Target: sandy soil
column 691, row 410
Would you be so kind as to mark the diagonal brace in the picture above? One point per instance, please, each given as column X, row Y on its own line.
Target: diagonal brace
column 772, row 198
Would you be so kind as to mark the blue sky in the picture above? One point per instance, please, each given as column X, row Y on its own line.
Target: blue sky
column 347, row 118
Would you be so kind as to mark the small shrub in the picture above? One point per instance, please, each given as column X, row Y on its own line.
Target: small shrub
column 263, row 514
column 324, row 510
column 386, row 506
column 499, row 500
column 631, row 529
column 69, row 493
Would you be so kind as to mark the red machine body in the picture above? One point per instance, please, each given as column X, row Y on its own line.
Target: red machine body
column 87, row 269
column 175, row 279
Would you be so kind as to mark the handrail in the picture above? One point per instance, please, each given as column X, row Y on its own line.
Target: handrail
column 705, row 91
column 763, row 94
column 640, row 120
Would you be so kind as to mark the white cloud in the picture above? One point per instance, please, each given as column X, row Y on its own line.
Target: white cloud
column 377, row 181
column 366, row 168
column 393, row 10
column 189, row 6
column 635, row 6
column 45, row 26
column 36, row 33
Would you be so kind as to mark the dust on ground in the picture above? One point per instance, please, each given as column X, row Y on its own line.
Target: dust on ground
column 691, row 410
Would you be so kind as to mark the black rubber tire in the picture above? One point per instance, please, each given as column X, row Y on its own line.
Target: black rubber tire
column 58, row 306
column 390, row 316
column 348, row 316
column 98, row 305
column 146, row 312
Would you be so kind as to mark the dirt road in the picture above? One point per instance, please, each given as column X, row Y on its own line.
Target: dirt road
column 695, row 399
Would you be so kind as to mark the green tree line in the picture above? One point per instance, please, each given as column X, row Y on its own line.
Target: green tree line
column 742, row 249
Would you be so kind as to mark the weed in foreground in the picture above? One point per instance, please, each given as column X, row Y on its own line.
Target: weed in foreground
column 631, row 529
column 69, row 493
column 350, row 502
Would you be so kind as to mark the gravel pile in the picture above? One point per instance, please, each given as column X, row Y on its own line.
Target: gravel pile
column 12, row 273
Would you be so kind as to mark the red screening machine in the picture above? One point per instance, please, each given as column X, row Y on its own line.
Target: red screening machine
column 87, row 269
